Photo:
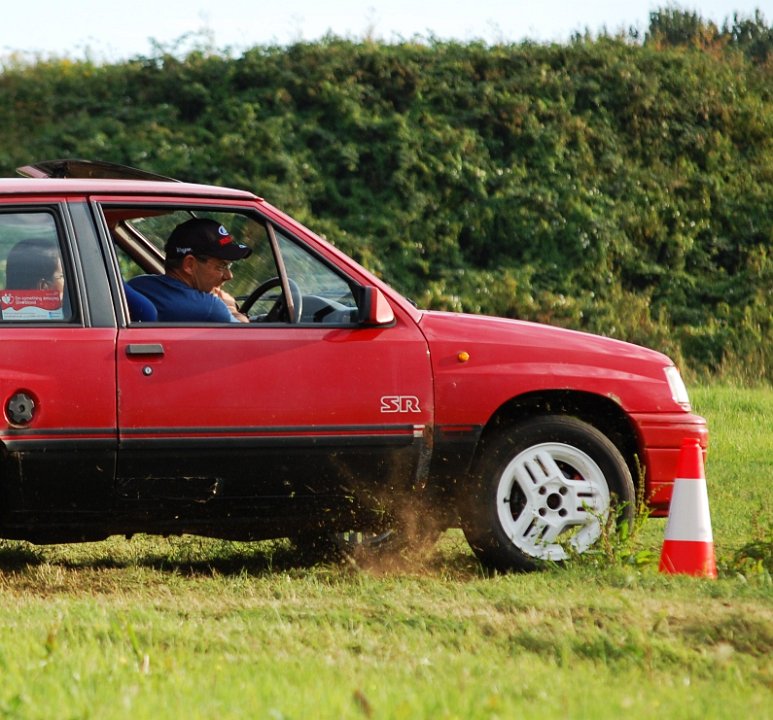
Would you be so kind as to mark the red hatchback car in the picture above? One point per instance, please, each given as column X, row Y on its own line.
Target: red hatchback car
column 340, row 411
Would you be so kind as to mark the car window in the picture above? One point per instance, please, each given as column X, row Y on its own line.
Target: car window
column 327, row 296
column 34, row 277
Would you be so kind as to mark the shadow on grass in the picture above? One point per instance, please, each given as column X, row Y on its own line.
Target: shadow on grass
column 192, row 556
column 16, row 556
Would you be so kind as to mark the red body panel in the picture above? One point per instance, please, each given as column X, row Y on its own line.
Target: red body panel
column 264, row 380
column 510, row 359
column 658, row 433
column 63, row 459
column 71, row 374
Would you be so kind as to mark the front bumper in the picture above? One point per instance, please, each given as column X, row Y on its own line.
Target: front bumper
column 661, row 436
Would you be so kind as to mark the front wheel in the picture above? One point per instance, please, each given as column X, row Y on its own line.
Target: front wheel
column 544, row 489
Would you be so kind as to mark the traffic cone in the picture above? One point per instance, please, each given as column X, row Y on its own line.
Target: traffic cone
column 689, row 545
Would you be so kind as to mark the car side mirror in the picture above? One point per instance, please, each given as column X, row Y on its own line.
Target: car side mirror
column 376, row 310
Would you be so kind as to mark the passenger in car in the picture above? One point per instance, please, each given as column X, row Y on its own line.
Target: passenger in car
column 34, row 264
column 198, row 260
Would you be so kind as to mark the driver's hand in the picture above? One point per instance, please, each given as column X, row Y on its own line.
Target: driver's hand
column 230, row 303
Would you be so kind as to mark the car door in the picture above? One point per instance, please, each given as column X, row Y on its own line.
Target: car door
column 277, row 417
column 57, row 386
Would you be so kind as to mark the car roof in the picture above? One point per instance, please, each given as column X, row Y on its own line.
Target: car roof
column 75, row 176
column 42, row 186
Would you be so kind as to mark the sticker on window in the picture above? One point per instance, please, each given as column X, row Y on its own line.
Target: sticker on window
column 31, row 305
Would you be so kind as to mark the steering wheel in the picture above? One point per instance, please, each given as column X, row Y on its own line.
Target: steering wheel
column 280, row 307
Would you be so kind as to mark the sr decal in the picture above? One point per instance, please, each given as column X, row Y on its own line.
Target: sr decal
column 400, row 404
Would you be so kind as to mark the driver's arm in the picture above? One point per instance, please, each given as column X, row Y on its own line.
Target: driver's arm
column 230, row 303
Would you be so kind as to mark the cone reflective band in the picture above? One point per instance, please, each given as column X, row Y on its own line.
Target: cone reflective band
column 689, row 544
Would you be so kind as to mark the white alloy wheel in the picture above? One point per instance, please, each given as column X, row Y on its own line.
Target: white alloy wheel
column 551, row 495
column 543, row 490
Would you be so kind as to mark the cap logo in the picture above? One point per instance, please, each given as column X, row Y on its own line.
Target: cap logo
column 225, row 238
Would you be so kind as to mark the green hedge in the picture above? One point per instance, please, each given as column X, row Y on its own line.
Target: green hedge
column 613, row 184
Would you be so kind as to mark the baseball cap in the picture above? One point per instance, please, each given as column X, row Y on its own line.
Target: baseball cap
column 202, row 236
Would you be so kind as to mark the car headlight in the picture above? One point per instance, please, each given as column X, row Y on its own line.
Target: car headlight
column 677, row 387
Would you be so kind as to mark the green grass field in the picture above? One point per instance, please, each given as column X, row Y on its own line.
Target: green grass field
column 192, row 628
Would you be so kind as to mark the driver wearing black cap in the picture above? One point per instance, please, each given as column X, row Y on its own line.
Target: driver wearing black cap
column 199, row 253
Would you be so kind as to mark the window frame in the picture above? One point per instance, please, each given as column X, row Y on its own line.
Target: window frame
column 153, row 254
column 63, row 228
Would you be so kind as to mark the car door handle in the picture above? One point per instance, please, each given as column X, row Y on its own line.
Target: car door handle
column 134, row 349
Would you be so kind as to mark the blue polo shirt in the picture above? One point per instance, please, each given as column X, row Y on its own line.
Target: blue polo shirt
column 178, row 302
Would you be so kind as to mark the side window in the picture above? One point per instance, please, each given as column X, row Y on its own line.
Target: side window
column 323, row 295
column 32, row 272
column 140, row 234
column 327, row 297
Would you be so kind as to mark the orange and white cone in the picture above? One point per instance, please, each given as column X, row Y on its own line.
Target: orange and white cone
column 689, row 544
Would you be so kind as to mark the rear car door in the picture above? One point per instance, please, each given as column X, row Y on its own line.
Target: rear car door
column 276, row 419
column 57, row 352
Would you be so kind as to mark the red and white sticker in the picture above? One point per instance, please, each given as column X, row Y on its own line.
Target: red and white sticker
column 31, row 305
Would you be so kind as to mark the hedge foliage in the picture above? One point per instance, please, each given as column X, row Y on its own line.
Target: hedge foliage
column 621, row 185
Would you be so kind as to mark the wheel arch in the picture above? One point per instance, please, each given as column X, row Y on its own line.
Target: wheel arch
column 601, row 412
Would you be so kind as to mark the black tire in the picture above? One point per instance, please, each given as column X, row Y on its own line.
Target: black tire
column 544, row 491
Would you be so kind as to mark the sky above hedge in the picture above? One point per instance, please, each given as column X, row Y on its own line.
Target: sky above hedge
column 80, row 28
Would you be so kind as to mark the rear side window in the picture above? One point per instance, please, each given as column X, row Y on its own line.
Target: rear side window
column 32, row 269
